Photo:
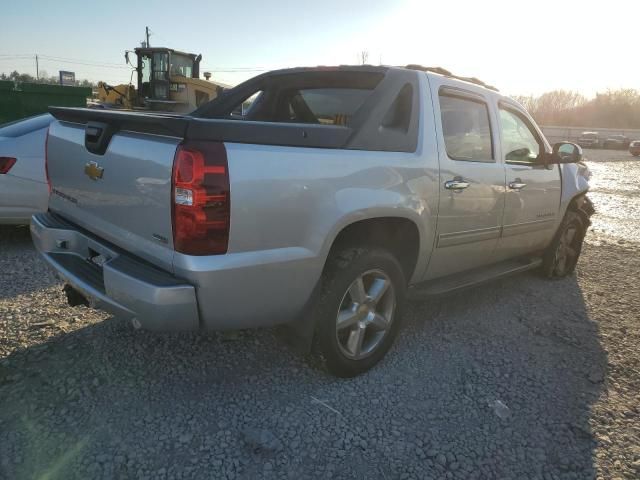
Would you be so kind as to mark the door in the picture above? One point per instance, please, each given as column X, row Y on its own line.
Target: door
column 532, row 200
column 472, row 183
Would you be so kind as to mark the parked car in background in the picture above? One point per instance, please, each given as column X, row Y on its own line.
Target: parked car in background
column 634, row 148
column 589, row 140
column 617, row 141
column 23, row 182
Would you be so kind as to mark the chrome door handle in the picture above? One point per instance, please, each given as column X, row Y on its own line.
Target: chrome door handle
column 517, row 184
column 456, row 184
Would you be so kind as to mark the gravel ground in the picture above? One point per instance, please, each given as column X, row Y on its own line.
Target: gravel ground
column 518, row 379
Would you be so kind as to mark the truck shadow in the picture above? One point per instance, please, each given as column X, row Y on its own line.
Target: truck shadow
column 526, row 343
column 495, row 382
column 21, row 270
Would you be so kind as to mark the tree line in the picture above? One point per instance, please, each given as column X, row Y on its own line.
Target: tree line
column 611, row 109
column 43, row 78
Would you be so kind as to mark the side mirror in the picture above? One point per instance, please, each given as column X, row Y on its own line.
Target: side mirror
column 566, row 152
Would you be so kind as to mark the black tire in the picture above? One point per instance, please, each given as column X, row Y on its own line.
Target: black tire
column 561, row 257
column 343, row 269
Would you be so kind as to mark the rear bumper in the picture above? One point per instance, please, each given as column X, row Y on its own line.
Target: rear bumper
column 123, row 285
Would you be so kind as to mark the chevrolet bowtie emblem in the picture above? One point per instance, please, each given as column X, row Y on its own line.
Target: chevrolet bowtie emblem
column 93, row 170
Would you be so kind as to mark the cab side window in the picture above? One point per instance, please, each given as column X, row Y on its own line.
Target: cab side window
column 519, row 142
column 466, row 128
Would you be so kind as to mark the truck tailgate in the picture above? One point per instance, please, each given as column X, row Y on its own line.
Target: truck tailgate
column 122, row 194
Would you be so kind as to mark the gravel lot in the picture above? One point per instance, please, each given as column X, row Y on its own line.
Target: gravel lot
column 518, row 379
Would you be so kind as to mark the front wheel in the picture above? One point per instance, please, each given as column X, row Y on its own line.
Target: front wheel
column 358, row 312
column 562, row 255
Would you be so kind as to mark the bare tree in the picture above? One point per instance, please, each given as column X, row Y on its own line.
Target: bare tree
column 613, row 109
column 363, row 57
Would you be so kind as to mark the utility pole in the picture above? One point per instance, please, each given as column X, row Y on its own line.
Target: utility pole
column 37, row 69
column 147, row 32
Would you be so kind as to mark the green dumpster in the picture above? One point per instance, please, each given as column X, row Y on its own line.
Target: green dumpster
column 27, row 99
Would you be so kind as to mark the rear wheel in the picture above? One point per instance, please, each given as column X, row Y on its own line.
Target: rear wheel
column 358, row 312
column 562, row 255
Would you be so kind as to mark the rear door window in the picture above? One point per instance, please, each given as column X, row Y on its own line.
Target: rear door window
column 466, row 128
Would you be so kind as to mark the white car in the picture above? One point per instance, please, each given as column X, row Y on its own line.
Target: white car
column 23, row 182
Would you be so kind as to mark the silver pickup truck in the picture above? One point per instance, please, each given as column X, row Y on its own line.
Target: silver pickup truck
column 313, row 197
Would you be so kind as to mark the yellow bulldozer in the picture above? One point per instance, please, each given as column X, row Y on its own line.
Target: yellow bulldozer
column 167, row 80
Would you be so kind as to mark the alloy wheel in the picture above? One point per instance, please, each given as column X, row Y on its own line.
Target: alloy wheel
column 365, row 314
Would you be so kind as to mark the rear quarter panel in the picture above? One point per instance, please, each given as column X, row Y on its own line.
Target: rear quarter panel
column 289, row 204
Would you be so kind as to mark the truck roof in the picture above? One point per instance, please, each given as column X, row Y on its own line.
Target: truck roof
column 379, row 69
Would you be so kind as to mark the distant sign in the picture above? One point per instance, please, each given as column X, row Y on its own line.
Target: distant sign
column 67, row 78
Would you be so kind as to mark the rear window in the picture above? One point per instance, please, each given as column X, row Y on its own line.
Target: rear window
column 322, row 97
column 328, row 106
column 25, row 125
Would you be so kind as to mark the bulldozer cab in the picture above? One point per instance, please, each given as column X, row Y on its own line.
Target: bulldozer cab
column 163, row 74
column 167, row 80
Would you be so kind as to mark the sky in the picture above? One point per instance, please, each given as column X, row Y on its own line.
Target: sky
column 520, row 47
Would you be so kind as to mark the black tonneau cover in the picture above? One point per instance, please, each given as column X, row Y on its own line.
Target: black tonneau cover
column 155, row 123
column 233, row 131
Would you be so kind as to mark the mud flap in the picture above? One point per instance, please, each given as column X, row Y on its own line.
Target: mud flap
column 298, row 334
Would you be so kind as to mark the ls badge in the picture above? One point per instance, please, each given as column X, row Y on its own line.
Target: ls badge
column 93, row 170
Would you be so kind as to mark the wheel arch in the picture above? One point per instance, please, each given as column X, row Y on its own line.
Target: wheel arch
column 582, row 205
column 400, row 235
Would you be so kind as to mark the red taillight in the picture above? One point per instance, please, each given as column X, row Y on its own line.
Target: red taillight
column 46, row 161
column 201, row 200
column 5, row 164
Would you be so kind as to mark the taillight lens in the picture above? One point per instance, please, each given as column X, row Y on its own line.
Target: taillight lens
column 46, row 160
column 6, row 163
column 201, row 200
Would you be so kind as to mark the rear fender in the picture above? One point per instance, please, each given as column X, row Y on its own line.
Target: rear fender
column 397, row 211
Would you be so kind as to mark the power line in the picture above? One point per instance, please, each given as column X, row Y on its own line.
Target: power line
column 76, row 61
column 235, row 70
column 73, row 61
column 88, row 62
